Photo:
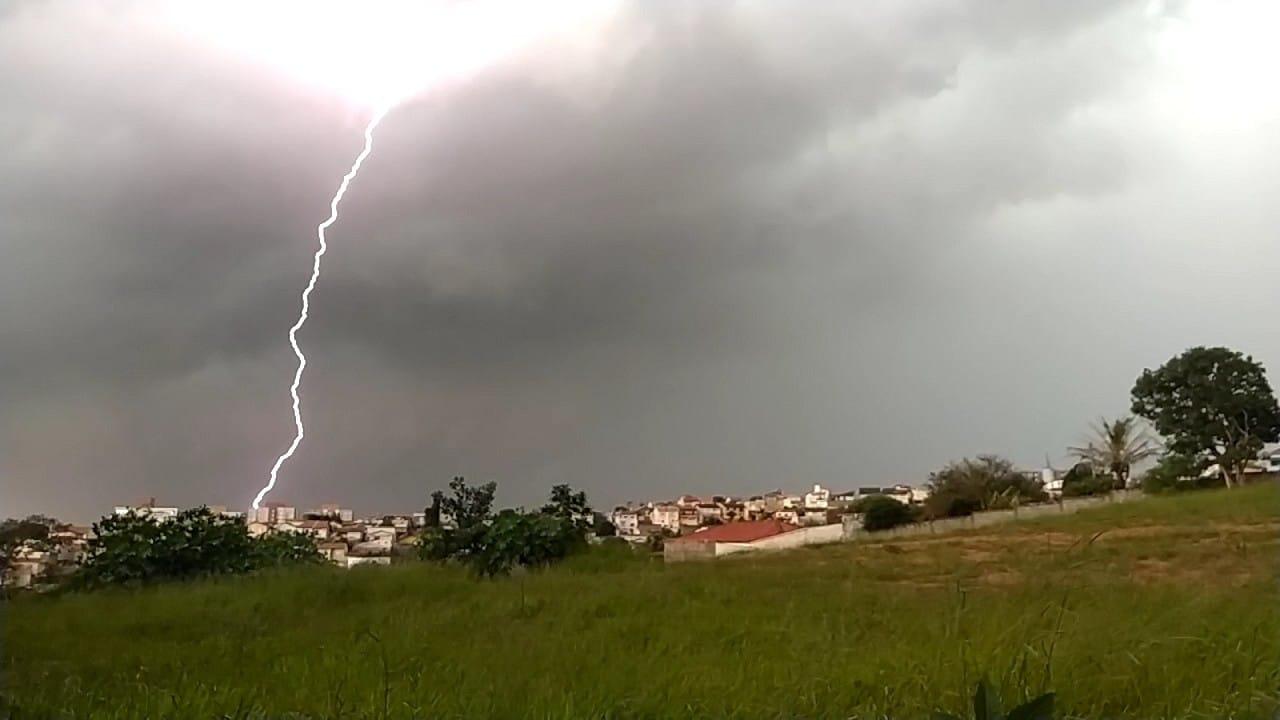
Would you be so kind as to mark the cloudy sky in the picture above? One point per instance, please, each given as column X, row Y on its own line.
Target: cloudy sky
column 685, row 246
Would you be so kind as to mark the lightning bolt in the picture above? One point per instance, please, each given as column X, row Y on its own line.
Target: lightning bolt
column 306, row 304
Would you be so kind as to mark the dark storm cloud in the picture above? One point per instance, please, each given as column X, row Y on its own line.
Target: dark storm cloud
column 736, row 246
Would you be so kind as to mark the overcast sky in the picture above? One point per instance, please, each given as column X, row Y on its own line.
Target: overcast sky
column 714, row 247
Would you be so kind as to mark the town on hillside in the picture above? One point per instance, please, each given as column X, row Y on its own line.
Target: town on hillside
column 731, row 523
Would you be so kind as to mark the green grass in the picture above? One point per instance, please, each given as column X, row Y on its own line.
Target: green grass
column 1169, row 613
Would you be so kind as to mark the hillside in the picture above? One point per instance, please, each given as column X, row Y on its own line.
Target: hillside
column 1159, row 608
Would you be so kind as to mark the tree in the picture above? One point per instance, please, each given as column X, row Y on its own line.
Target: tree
column 1081, row 480
column 881, row 512
column 133, row 548
column 495, row 544
column 1211, row 402
column 602, row 526
column 1116, row 447
column 1174, row 472
column 467, row 511
column 989, row 482
column 15, row 533
column 569, row 506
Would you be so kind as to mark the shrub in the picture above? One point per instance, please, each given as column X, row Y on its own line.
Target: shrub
column 962, row 488
column 1176, row 473
column 496, row 544
column 1081, row 481
column 132, row 549
column 882, row 513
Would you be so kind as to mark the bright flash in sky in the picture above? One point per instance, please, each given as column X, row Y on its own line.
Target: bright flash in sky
column 375, row 53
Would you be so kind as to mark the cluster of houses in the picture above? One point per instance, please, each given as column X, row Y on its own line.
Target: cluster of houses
column 37, row 561
column 341, row 538
column 689, row 514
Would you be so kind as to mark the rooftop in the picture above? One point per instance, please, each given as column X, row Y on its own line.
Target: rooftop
column 740, row 531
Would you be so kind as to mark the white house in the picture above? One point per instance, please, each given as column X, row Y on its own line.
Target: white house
column 147, row 509
column 354, row 560
column 818, row 499
column 626, row 521
column 666, row 516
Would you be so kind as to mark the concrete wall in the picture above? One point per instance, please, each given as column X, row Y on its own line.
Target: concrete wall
column 688, row 550
column 852, row 531
column 797, row 538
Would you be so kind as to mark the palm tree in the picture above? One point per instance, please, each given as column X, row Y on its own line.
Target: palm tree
column 1117, row 446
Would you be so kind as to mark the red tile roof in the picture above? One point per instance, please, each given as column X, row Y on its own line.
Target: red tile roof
column 739, row 532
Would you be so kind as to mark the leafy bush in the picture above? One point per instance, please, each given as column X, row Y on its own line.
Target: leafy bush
column 496, row 544
column 132, row 548
column 962, row 488
column 1176, row 473
column 882, row 513
column 1081, row 481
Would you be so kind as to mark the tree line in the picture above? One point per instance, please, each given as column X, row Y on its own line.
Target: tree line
column 1211, row 407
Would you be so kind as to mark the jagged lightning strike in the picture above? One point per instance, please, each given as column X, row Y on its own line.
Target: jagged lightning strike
column 300, row 430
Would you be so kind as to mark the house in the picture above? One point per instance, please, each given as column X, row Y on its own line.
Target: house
column 354, row 560
column 147, row 508
column 352, row 532
column 792, row 502
column 844, row 499
column 722, row 539
column 334, row 551
column 333, row 511
column 689, row 518
column 318, row 529
column 688, row 501
column 626, row 521
column 401, row 523
column 258, row 528
column 274, row 512
column 791, row 517
column 382, row 537
column 709, row 513
column 818, row 499
column 901, row 493
column 666, row 516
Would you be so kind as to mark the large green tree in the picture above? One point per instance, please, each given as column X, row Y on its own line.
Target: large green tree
column 1116, row 446
column 1211, row 402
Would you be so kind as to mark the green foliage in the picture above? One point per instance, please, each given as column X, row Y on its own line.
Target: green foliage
column 15, row 533
column 1081, row 481
column 881, row 513
column 276, row 549
column 1177, row 473
column 569, row 506
column 468, row 511
column 132, row 549
column 496, row 544
column 603, row 527
column 526, row 540
column 1211, row 402
column 987, row 706
column 467, row 507
column 1116, row 447
column 852, row 630
column 987, row 483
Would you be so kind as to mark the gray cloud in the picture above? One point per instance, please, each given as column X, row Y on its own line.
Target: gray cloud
column 741, row 247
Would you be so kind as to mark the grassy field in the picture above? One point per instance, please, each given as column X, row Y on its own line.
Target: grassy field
column 1170, row 612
